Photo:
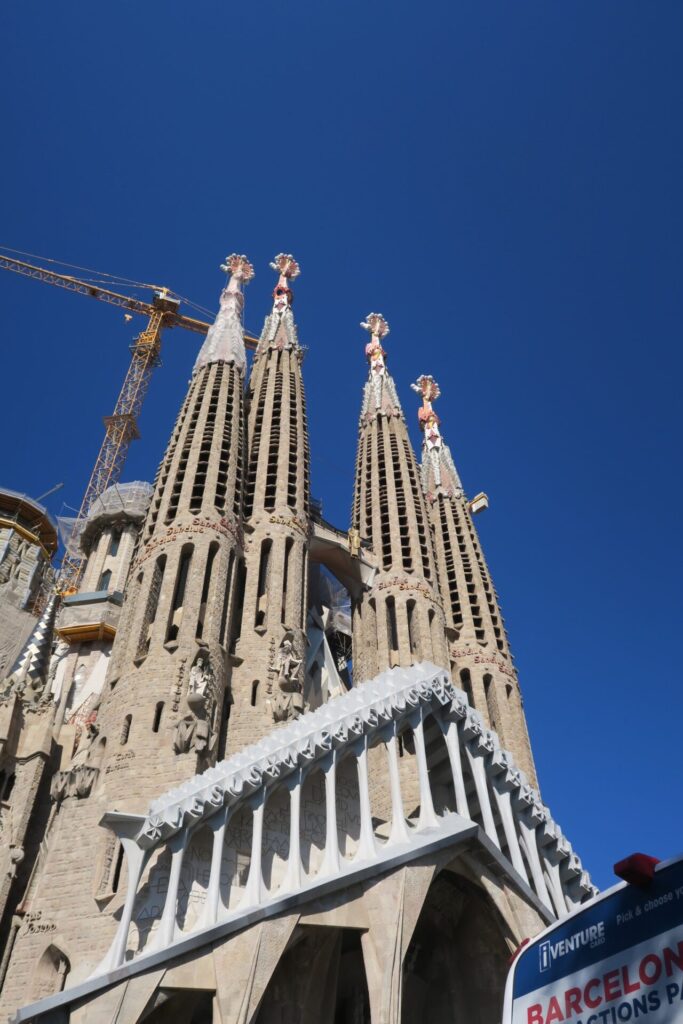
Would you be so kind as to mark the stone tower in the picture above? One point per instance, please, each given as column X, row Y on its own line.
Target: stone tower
column 169, row 671
column 28, row 540
column 161, row 708
column 479, row 652
column 400, row 621
column 269, row 636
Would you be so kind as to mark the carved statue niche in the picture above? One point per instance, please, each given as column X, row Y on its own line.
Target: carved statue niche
column 193, row 732
column 288, row 701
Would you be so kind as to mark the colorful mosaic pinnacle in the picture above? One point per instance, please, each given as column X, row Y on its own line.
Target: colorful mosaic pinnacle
column 288, row 268
column 426, row 386
column 377, row 326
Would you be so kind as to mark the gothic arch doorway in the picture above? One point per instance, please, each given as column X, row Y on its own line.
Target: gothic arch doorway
column 321, row 977
column 457, row 961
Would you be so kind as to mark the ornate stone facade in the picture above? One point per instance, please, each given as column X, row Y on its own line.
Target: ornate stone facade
column 222, row 839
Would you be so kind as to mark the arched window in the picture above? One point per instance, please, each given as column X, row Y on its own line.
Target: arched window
column 9, row 786
column 254, row 692
column 206, row 587
column 157, row 716
column 125, row 731
column 176, row 613
column 289, row 544
column 105, row 580
column 392, row 630
column 466, row 683
column 412, row 634
column 226, row 599
column 114, row 543
column 262, row 592
column 118, row 866
column 490, row 701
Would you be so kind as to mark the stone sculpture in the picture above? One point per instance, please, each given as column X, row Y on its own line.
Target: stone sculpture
column 193, row 732
column 288, row 701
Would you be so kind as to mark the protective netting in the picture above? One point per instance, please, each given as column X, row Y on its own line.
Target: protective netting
column 131, row 499
column 331, row 597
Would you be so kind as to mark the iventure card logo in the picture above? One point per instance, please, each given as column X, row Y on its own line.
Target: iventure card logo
column 549, row 952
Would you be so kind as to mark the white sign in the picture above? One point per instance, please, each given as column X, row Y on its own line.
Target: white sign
column 616, row 960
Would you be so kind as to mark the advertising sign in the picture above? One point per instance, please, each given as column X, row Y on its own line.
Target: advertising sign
column 616, row 960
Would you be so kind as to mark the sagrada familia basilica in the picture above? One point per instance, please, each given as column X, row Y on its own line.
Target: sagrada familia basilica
column 258, row 769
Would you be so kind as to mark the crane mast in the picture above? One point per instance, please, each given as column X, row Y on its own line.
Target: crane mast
column 122, row 426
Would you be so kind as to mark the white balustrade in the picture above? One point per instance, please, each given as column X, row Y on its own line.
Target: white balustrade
column 423, row 698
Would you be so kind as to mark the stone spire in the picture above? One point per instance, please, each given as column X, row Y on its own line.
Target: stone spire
column 29, row 672
column 225, row 338
column 479, row 652
column 400, row 621
column 170, row 669
column 270, row 642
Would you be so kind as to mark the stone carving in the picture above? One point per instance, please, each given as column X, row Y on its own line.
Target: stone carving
column 16, row 855
column 202, row 682
column 288, row 701
column 354, row 542
column 89, row 734
column 193, row 732
column 80, row 777
column 58, row 655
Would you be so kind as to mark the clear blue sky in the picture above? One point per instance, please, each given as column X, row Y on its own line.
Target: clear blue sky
column 501, row 180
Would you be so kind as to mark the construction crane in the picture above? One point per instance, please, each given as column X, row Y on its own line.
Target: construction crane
column 122, row 426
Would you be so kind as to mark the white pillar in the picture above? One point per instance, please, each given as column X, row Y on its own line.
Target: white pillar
column 136, row 861
column 552, row 873
column 330, row 865
column 502, row 796
column 427, row 818
column 399, row 830
column 479, row 773
column 217, row 824
column 254, row 887
column 450, row 732
column 528, row 837
column 366, row 842
column 292, row 879
column 177, row 844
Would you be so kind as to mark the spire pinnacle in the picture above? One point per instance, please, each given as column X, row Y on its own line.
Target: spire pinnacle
column 224, row 342
column 238, row 267
column 439, row 474
column 288, row 268
column 380, row 392
column 426, row 386
column 378, row 328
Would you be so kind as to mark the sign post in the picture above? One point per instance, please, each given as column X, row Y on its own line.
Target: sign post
column 615, row 960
